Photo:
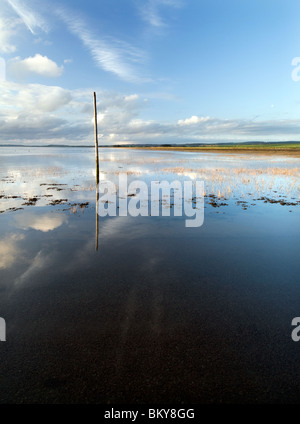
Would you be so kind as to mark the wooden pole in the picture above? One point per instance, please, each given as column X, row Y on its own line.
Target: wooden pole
column 96, row 140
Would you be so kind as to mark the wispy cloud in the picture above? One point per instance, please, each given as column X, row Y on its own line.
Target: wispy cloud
column 30, row 18
column 7, row 30
column 109, row 54
column 10, row 24
column 151, row 11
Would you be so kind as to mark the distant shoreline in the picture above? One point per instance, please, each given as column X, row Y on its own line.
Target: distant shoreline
column 285, row 148
column 263, row 149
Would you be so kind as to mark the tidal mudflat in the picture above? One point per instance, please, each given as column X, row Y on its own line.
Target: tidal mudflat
column 160, row 312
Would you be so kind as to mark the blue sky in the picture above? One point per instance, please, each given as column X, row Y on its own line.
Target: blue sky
column 165, row 71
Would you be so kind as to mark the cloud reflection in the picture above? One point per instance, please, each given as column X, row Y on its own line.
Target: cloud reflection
column 39, row 262
column 45, row 222
column 9, row 250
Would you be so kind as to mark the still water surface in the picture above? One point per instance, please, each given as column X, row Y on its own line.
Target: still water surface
column 161, row 312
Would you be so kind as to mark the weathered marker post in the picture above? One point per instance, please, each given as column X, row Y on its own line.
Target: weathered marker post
column 97, row 170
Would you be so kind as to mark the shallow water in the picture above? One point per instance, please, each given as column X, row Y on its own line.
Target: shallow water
column 161, row 312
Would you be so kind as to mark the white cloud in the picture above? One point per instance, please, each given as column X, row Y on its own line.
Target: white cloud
column 29, row 17
column 38, row 64
column 131, row 97
column 30, row 112
column 32, row 98
column 139, row 124
column 36, row 113
column 39, row 112
column 193, row 120
column 2, row 69
column 53, row 99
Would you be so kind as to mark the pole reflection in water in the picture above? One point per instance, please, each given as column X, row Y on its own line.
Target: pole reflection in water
column 97, row 218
